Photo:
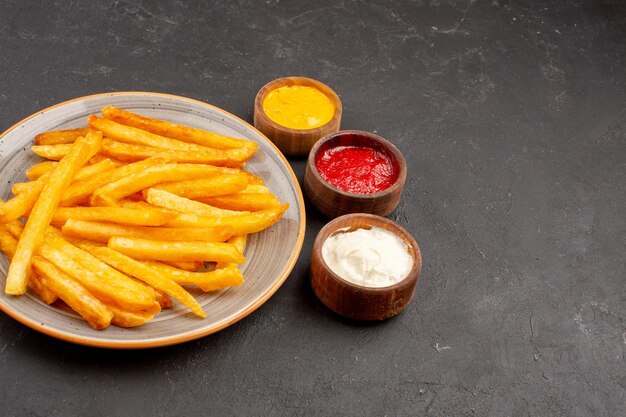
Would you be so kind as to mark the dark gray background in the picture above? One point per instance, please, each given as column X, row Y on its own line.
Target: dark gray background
column 512, row 118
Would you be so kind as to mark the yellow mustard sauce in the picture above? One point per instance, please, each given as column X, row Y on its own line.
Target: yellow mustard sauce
column 298, row 107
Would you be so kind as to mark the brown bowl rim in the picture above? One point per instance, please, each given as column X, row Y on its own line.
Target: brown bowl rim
column 272, row 85
column 412, row 276
column 399, row 183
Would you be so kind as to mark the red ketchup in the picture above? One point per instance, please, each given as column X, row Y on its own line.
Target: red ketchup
column 356, row 169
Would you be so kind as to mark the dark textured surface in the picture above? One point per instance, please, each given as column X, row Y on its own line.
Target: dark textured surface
column 512, row 118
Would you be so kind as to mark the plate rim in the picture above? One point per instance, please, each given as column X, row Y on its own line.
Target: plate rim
column 195, row 334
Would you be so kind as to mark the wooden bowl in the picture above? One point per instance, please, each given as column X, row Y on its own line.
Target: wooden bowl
column 295, row 142
column 334, row 202
column 356, row 301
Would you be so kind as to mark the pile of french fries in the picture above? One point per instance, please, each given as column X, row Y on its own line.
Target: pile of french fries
column 128, row 211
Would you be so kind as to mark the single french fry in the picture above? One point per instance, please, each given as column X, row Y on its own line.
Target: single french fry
column 206, row 187
column 20, row 187
column 93, row 169
column 8, row 244
column 39, row 169
column 127, row 319
column 132, row 135
column 79, row 191
column 15, row 228
column 191, row 266
column 162, row 298
column 240, row 243
column 256, row 189
column 154, row 250
column 35, row 283
column 74, row 295
column 146, row 274
column 130, row 153
column 241, row 201
column 100, row 157
column 241, row 225
column 106, row 283
column 59, row 137
column 165, row 199
column 108, row 194
column 253, row 179
column 41, row 214
column 119, row 215
column 52, row 152
column 143, row 205
column 207, row 281
column 172, row 130
column 102, row 232
column 83, row 173
column 23, row 202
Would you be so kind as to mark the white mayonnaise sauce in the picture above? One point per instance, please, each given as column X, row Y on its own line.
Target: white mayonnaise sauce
column 368, row 257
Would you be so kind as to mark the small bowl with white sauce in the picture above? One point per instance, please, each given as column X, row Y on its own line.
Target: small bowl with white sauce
column 365, row 267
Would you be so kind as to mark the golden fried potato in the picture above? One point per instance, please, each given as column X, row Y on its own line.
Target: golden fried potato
column 119, row 215
column 175, row 131
column 59, row 137
column 242, row 201
column 41, row 214
column 206, row 187
column 162, row 198
column 130, row 153
column 106, row 283
column 217, row 279
column 243, row 224
column 123, row 187
column 144, row 273
column 76, row 296
column 102, row 232
column 155, row 250
column 52, row 152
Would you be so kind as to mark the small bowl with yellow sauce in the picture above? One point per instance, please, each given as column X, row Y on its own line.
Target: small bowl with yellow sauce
column 294, row 112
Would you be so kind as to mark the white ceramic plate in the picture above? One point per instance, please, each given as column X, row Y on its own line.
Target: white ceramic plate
column 271, row 254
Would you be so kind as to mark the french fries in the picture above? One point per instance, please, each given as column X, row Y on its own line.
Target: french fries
column 241, row 201
column 243, row 224
column 41, row 214
column 123, row 318
column 191, row 266
column 156, row 250
column 238, row 242
column 123, row 187
column 141, row 205
column 130, row 153
column 146, row 274
column 79, row 299
column 207, row 187
column 59, row 137
column 217, row 279
column 102, row 232
column 8, row 244
column 83, row 173
column 52, row 152
column 22, row 203
column 106, row 283
column 38, row 170
column 167, row 200
column 133, row 135
column 120, row 215
column 80, row 191
column 172, row 130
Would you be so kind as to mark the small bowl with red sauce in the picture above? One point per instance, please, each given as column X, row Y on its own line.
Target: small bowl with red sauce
column 352, row 171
